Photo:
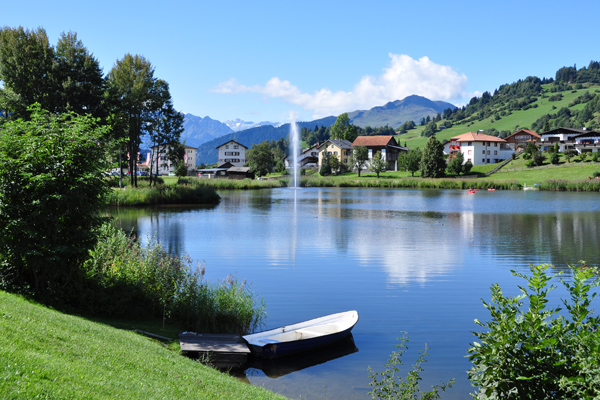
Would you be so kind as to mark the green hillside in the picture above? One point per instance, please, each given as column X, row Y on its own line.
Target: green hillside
column 516, row 119
column 45, row 354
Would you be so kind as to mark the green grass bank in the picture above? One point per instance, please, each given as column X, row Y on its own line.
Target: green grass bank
column 46, row 354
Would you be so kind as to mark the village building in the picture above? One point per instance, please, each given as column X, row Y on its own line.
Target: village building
column 520, row 138
column 232, row 152
column 387, row 145
column 160, row 157
column 479, row 148
column 588, row 142
column 307, row 159
column 342, row 149
column 563, row 136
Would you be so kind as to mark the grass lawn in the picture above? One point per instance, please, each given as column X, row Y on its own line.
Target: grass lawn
column 50, row 355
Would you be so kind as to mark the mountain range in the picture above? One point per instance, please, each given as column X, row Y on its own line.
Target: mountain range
column 396, row 112
column 206, row 133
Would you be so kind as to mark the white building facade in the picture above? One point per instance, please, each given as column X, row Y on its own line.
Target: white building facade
column 160, row 155
column 232, row 152
column 479, row 148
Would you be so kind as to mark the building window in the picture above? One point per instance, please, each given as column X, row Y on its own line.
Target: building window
column 370, row 153
column 227, row 146
column 495, row 144
column 483, row 160
column 470, row 144
column 488, row 152
column 469, row 152
column 236, row 146
column 482, row 151
column 495, row 152
column 488, row 160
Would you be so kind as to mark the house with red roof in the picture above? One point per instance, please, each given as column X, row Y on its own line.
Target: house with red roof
column 521, row 137
column 479, row 148
column 387, row 145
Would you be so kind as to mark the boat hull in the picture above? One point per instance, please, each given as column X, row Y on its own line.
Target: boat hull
column 301, row 337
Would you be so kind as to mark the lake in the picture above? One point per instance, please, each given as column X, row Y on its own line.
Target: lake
column 418, row 261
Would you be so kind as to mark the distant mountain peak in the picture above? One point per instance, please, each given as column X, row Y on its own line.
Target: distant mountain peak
column 237, row 124
column 394, row 113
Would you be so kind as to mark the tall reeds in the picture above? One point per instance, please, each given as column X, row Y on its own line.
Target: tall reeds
column 124, row 279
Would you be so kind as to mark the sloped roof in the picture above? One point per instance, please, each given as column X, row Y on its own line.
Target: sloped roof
column 521, row 131
column 373, row 141
column 239, row 169
column 476, row 137
column 560, row 130
column 342, row 144
column 232, row 141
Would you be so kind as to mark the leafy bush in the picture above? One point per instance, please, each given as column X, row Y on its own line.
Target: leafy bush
column 52, row 189
column 554, row 158
column 531, row 352
column 392, row 386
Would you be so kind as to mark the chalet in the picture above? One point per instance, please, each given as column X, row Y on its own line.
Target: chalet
column 479, row 148
column 160, row 157
column 342, row 149
column 232, row 152
column 587, row 142
column 563, row 136
column 308, row 158
column 521, row 137
column 387, row 145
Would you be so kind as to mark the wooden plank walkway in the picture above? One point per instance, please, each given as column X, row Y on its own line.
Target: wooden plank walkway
column 221, row 350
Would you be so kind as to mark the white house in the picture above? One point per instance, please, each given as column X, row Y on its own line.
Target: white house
column 588, row 142
column 308, row 158
column 563, row 136
column 479, row 148
column 160, row 155
column 232, row 152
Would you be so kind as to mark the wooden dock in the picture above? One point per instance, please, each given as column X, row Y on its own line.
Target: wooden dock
column 220, row 350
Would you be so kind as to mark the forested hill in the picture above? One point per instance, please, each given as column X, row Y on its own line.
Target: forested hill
column 570, row 99
column 207, row 153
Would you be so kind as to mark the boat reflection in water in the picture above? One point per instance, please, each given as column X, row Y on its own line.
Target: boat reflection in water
column 276, row 368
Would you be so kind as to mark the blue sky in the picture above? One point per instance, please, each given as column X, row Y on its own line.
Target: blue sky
column 267, row 60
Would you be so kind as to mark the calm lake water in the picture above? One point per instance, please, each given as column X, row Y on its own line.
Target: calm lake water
column 406, row 260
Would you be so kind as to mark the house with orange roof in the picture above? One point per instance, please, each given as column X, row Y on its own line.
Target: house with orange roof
column 479, row 148
column 387, row 145
column 521, row 137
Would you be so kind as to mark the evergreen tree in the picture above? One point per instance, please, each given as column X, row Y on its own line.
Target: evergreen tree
column 433, row 163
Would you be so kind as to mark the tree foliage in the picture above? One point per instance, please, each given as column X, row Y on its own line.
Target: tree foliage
column 260, row 159
column 26, row 61
column 455, row 166
column 411, row 160
column 378, row 164
column 433, row 163
column 530, row 351
column 358, row 159
column 51, row 193
column 342, row 129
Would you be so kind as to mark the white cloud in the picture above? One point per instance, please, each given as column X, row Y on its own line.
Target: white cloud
column 403, row 77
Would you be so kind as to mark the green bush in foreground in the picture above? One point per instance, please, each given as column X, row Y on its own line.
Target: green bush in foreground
column 126, row 280
column 530, row 351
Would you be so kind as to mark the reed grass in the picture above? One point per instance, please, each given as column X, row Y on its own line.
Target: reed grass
column 124, row 279
column 188, row 193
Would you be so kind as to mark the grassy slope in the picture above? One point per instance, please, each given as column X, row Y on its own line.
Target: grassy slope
column 50, row 355
column 522, row 118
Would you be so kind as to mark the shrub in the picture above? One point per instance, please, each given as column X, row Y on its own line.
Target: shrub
column 595, row 156
column 554, row 158
column 531, row 351
column 392, row 386
column 52, row 189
